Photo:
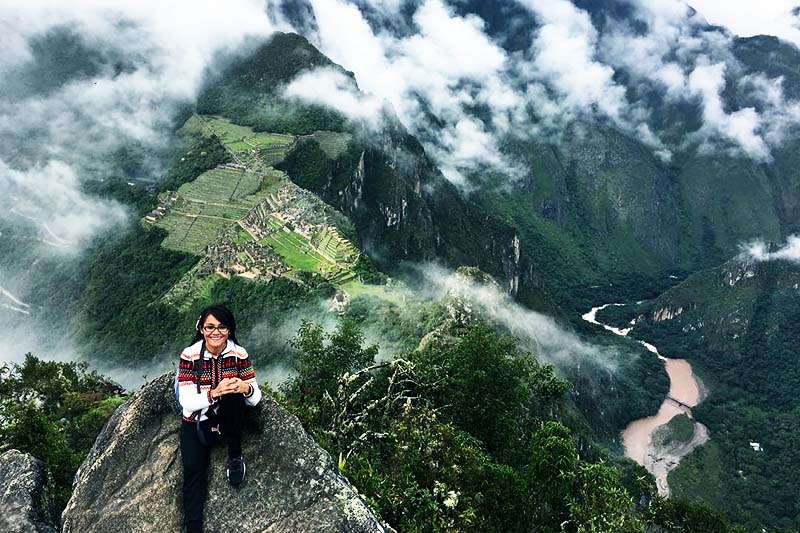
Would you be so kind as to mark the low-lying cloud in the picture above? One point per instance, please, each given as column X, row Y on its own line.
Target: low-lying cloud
column 49, row 197
column 431, row 78
column 761, row 251
column 128, row 66
column 80, row 81
column 330, row 87
column 535, row 332
column 455, row 86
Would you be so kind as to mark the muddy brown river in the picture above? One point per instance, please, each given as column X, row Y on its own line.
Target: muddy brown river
column 637, row 438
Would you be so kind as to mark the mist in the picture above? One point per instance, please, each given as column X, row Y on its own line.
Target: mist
column 83, row 82
column 81, row 85
column 535, row 332
column 457, row 85
column 761, row 251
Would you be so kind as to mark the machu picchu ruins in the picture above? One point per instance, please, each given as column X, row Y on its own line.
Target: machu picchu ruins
column 245, row 218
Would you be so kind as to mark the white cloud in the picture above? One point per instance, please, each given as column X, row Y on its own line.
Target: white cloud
column 760, row 251
column 68, row 133
column 330, row 87
column 779, row 115
column 742, row 126
column 147, row 56
column 438, row 70
column 565, row 50
column 535, row 331
column 449, row 64
column 679, row 54
column 64, row 217
column 747, row 18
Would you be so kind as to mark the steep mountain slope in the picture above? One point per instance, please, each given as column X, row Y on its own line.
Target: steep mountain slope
column 401, row 205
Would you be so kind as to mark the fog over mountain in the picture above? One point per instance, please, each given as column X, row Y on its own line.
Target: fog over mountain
column 484, row 188
column 91, row 84
column 79, row 82
column 84, row 85
column 760, row 251
column 466, row 87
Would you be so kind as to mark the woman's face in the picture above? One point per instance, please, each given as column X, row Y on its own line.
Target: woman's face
column 215, row 334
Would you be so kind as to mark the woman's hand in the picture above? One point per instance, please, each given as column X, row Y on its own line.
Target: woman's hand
column 230, row 386
column 226, row 386
column 241, row 386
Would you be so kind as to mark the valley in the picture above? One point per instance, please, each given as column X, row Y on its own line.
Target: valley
column 410, row 230
column 639, row 438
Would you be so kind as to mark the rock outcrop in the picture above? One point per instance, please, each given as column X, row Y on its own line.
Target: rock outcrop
column 26, row 495
column 131, row 478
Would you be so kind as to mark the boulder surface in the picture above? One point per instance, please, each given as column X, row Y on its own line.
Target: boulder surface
column 26, row 495
column 131, row 479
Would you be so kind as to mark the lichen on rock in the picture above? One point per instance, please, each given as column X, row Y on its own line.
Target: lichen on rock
column 26, row 495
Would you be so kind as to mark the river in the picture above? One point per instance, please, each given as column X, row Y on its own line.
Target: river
column 637, row 438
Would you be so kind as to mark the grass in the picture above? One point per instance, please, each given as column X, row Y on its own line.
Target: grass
column 271, row 147
column 223, row 185
column 273, row 154
column 239, row 146
column 355, row 288
column 296, row 251
column 215, row 200
column 190, row 233
column 270, row 140
column 332, row 143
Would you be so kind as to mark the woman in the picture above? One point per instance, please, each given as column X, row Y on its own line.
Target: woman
column 227, row 384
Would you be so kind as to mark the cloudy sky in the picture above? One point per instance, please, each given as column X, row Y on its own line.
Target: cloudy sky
column 437, row 69
column 748, row 17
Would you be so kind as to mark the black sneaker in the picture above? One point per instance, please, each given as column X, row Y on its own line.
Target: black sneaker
column 236, row 470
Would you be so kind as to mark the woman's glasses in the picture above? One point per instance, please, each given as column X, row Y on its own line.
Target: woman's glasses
column 209, row 328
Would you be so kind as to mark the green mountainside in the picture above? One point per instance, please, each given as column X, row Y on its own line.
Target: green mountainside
column 598, row 206
column 602, row 207
column 401, row 206
column 290, row 212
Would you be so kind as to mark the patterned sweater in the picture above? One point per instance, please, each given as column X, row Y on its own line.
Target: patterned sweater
column 232, row 362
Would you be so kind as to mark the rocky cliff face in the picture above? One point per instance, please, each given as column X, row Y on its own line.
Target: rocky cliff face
column 131, row 479
column 25, row 495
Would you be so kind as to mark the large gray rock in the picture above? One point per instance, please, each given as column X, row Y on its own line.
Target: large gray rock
column 132, row 477
column 26, row 495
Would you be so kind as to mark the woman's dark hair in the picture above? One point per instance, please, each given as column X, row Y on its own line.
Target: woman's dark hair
column 221, row 313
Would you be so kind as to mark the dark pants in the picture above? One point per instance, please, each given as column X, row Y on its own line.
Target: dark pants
column 195, row 457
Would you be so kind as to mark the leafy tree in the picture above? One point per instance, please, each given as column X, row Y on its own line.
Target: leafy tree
column 54, row 411
column 427, row 437
column 489, row 388
column 322, row 358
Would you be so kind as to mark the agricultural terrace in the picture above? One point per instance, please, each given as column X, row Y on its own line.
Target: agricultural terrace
column 271, row 148
column 300, row 254
column 332, row 143
column 213, row 201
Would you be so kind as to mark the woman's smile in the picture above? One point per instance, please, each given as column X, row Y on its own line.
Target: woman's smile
column 215, row 334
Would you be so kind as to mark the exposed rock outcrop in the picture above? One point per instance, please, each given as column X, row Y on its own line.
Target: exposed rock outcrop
column 131, row 479
column 26, row 495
